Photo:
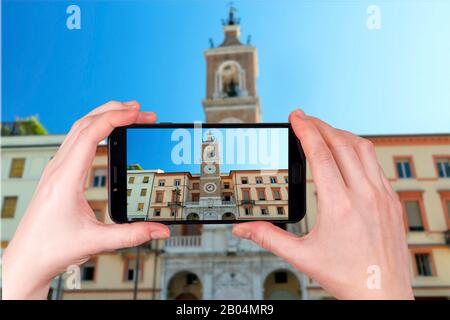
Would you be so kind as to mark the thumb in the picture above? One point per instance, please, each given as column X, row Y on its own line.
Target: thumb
column 128, row 235
column 281, row 243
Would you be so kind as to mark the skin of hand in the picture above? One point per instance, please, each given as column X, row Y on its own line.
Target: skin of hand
column 359, row 221
column 59, row 229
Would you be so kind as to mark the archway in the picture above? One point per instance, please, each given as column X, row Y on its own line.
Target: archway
column 184, row 285
column 282, row 285
column 193, row 216
column 228, row 216
column 230, row 80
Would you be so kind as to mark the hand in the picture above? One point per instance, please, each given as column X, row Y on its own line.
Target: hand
column 59, row 228
column 359, row 221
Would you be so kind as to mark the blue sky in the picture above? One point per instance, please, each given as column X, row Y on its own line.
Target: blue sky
column 173, row 150
column 315, row 54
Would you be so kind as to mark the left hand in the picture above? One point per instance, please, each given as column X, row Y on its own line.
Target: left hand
column 59, row 228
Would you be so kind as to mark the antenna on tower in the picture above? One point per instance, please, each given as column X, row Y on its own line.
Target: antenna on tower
column 249, row 39
column 231, row 20
column 211, row 43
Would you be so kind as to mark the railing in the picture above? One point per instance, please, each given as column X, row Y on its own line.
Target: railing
column 228, row 202
column 174, row 204
column 184, row 242
column 243, row 202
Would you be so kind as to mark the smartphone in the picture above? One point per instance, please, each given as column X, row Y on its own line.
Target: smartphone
column 206, row 173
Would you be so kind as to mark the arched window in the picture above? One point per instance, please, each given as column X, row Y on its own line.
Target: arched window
column 228, row 216
column 230, row 81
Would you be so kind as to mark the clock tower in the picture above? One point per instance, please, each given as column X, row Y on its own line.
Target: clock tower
column 210, row 190
column 232, row 69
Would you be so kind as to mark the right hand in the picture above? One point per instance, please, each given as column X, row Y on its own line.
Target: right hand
column 359, row 221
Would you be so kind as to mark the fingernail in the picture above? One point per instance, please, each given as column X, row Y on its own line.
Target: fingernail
column 159, row 234
column 131, row 104
column 300, row 114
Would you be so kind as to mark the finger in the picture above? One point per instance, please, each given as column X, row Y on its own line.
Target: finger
column 117, row 236
column 369, row 160
column 85, row 121
column 146, row 117
column 386, row 184
column 325, row 171
column 79, row 158
column 114, row 105
column 342, row 148
column 281, row 243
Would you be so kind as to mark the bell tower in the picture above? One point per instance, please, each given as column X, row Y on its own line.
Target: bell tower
column 210, row 186
column 232, row 69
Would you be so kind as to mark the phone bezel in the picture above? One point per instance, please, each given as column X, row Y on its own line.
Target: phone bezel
column 117, row 182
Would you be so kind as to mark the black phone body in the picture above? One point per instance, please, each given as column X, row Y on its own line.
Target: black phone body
column 197, row 173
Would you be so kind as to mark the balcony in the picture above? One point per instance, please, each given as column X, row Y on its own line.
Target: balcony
column 197, row 203
column 183, row 244
column 247, row 202
column 176, row 204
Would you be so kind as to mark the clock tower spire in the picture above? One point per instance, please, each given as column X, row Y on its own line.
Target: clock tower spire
column 210, row 183
column 232, row 69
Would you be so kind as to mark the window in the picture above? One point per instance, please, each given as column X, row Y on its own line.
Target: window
column 226, row 185
column 145, row 180
column 404, row 170
column 248, row 211
column 99, row 178
column 140, row 206
column 246, row 194
column 423, row 264
column 273, row 180
column 87, row 271
column 244, row 180
column 131, row 180
column 191, row 278
column 17, row 166
column 177, row 182
column 195, row 197
column 9, row 207
column 264, row 211
column 159, row 197
column 128, row 192
column 443, row 167
column 276, row 194
column 414, row 215
column 130, row 270
column 230, row 81
column 286, row 179
column 280, row 210
column 259, row 180
column 195, row 186
column 261, row 194
column 280, row 277
column 143, row 192
column 162, row 183
column 157, row 212
column 445, row 198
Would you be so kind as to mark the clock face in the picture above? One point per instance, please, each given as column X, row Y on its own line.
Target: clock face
column 210, row 187
column 209, row 169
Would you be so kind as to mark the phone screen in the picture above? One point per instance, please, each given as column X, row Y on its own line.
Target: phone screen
column 215, row 174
